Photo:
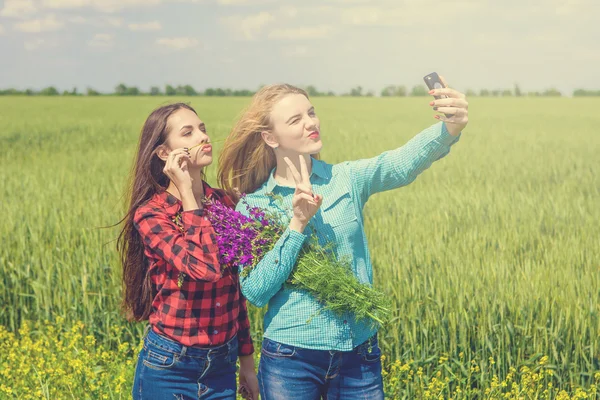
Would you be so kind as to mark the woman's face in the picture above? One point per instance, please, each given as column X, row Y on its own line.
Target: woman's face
column 187, row 130
column 295, row 126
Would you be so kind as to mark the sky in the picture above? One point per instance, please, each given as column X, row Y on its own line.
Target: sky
column 331, row 44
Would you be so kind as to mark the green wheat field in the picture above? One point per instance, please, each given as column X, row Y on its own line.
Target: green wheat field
column 492, row 256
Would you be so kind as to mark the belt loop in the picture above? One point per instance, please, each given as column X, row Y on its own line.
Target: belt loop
column 183, row 351
column 147, row 330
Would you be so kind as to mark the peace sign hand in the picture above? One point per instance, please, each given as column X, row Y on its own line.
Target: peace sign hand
column 305, row 203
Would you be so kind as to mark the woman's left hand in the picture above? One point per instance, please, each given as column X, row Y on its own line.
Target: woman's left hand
column 456, row 106
column 248, row 383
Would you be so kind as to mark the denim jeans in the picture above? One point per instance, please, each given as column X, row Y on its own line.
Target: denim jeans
column 169, row 370
column 288, row 372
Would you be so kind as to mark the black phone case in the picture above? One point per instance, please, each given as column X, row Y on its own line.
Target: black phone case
column 433, row 81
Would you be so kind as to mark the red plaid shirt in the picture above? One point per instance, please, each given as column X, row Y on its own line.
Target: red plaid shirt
column 196, row 302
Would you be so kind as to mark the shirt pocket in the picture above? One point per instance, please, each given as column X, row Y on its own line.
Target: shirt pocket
column 338, row 209
column 158, row 358
column 340, row 224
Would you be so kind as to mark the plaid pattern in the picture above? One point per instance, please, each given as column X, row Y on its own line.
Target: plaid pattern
column 196, row 302
column 345, row 187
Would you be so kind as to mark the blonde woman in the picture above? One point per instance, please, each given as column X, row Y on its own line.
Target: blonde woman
column 274, row 148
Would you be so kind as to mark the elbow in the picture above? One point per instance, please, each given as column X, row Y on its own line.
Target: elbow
column 252, row 296
column 210, row 273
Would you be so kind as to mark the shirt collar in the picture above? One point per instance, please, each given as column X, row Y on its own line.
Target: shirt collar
column 319, row 169
column 172, row 204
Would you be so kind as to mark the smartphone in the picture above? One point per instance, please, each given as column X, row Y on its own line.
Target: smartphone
column 433, row 81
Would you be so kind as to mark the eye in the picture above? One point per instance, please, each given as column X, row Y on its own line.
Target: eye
column 295, row 121
column 188, row 133
column 312, row 113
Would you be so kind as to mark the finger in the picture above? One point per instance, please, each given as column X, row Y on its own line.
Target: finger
column 181, row 150
column 179, row 159
column 301, row 188
column 293, row 170
column 452, row 119
column 173, row 154
column 446, row 110
column 447, row 92
column 304, row 171
column 319, row 199
column 454, row 102
column 308, row 198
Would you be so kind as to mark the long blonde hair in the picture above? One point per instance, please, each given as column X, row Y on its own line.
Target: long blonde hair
column 246, row 160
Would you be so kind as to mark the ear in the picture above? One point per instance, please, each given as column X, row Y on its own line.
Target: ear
column 269, row 139
column 162, row 152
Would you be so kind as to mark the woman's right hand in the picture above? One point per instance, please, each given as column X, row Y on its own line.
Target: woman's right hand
column 305, row 203
column 177, row 171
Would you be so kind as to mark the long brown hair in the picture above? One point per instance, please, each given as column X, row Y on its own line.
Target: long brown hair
column 246, row 161
column 146, row 179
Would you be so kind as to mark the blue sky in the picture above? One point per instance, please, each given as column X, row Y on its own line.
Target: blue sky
column 332, row 44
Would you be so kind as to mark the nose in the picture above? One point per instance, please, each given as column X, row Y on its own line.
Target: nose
column 311, row 124
column 204, row 137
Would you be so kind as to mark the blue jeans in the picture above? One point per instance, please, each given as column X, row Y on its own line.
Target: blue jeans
column 288, row 372
column 169, row 370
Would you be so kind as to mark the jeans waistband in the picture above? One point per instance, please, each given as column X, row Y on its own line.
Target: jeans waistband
column 367, row 344
column 168, row 344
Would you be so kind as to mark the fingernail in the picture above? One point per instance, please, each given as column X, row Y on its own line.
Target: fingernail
column 436, row 116
column 431, row 103
column 435, row 108
column 431, row 91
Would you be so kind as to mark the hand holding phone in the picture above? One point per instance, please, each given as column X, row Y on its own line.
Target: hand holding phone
column 455, row 108
column 433, row 81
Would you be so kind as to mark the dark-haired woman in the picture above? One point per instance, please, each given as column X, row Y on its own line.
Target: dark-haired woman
column 171, row 273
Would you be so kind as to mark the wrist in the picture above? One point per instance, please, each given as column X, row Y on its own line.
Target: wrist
column 454, row 129
column 296, row 225
column 247, row 361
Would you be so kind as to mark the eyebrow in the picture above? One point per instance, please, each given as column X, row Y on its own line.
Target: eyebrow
column 297, row 115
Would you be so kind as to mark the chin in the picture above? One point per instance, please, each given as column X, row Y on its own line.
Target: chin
column 314, row 149
column 204, row 162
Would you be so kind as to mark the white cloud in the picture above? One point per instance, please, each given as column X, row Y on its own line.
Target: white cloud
column 108, row 6
column 116, row 22
column 34, row 44
column 78, row 19
column 18, row 8
column 47, row 24
column 296, row 51
column 146, row 26
column 102, row 41
column 368, row 16
column 243, row 2
column 248, row 27
column 65, row 4
column 313, row 32
column 288, row 11
column 179, row 43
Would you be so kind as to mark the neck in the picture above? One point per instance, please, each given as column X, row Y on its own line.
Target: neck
column 283, row 175
column 197, row 186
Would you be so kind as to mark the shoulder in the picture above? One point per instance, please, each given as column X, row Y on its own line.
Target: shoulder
column 149, row 209
column 222, row 196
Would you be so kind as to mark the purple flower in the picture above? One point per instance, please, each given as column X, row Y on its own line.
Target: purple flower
column 241, row 238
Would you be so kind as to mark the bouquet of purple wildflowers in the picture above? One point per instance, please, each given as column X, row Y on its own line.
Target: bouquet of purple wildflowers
column 244, row 240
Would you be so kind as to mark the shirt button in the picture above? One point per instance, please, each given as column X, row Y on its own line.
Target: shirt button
column 215, row 332
column 218, row 304
column 345, row 322
column 276, row 261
